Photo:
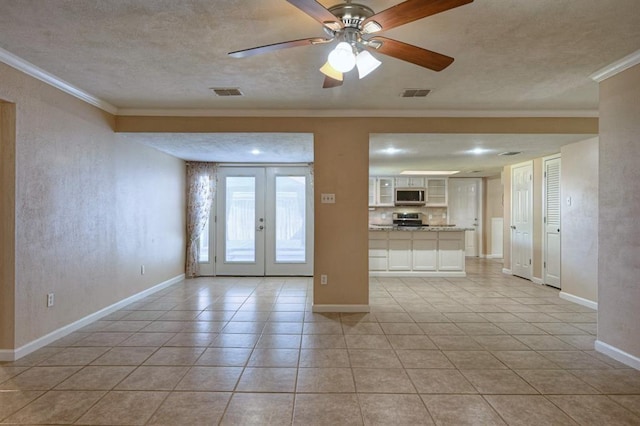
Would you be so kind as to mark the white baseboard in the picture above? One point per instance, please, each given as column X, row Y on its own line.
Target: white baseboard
column 12, row 355
column 340, row 308
column 536, row 280
column 579, row 300
column 618, row 355
column 507, row 271
column 494, row 256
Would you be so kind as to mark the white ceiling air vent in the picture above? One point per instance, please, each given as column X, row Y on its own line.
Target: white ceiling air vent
column 415, row 93
column 226, row 91
column 510, row 153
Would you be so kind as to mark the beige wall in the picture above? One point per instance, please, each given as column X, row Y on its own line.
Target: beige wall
column 90, row 210
column 7, row 224
column 619, row 213
column 492, row 205
column 341, row 167
column 579, row 221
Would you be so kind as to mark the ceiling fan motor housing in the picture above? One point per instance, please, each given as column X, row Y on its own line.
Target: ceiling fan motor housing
column 351, row 14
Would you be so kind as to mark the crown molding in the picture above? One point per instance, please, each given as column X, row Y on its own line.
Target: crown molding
column 44, row 76
column 617, row 67
column 357, row 113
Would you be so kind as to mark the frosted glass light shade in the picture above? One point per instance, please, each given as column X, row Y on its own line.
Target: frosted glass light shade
column 366, row 63
column 331, row 72
column 342, row 58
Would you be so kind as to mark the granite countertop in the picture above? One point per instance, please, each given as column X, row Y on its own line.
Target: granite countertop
column 426, row 228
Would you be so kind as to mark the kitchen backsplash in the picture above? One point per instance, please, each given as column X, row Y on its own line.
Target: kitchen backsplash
column 430, row 215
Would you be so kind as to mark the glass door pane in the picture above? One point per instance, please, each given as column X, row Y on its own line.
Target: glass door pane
column 290, row 219
column 240, row 241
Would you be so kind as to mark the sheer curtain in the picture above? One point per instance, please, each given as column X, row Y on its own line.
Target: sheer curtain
column 201, row 188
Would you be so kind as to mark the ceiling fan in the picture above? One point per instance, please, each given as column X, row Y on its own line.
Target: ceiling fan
column 353, row 25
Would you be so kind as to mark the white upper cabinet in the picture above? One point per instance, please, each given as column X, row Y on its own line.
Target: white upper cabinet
column 409, row 182
column 436, row 191
column 381, row 191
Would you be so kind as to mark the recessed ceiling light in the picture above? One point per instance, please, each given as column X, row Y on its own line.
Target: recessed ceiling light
column 478, row 151
column 391, row 150
column 255, row 151
column 430, row 172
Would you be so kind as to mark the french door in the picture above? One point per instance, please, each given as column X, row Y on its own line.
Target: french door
column 264, row 221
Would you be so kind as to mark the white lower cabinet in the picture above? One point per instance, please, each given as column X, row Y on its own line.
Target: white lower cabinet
column 451, row 250
column 400, row 251
column 425, row 251
column 416, row 253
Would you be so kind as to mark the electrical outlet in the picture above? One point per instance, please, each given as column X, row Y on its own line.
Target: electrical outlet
column 328, row 198
column 324, row 280
column 141, row 269
column 50, row 300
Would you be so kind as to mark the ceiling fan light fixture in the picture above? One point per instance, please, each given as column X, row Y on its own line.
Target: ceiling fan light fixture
column 366, row 63
column 331, row 72
column 342, row 58
column 371, row 27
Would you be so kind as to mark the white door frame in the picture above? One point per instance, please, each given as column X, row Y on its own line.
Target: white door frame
column 545, row 278
column 525, row 271
column 270, row 171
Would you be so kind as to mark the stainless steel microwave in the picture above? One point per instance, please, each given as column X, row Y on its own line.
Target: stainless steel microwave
column 410, row 197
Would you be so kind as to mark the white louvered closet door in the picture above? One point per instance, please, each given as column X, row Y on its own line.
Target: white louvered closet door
column 552, row 222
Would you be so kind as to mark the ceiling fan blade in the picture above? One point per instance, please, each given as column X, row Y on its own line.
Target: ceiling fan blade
column 277, row 46
column 408, row 11
column 330, row 82
column 319, row 13
column 407, row 52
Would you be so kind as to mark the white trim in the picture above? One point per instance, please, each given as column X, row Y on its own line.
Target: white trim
column 617, row 354
column 418, row 274
column 507, row 271
column 12, row 355
column 530, row 165
column 616, row 67
column 537, row 280
column 494, row 256
column 340, row 308
column 542, row 215
column 579, row 300
column 42, row 75
column 355, row 113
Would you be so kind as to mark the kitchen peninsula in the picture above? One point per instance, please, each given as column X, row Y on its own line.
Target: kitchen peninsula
column 416, row 251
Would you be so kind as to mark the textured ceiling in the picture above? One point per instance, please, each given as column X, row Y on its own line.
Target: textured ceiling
column 159, row 54
column 517, row 57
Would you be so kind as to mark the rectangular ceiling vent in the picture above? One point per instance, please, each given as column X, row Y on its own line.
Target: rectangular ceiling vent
column 510, row 153
column 226, row 91
column 415, row 93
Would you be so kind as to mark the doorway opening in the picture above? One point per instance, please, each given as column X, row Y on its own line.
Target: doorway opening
column 261, row 222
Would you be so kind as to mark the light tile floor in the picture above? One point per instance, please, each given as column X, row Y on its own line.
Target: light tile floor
column 487, row 349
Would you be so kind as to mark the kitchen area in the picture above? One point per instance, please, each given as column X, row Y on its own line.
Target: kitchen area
column 410, row 234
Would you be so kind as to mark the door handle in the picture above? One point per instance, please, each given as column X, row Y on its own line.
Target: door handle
column 558, row 229
column 513, row 227
column 260, row 228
